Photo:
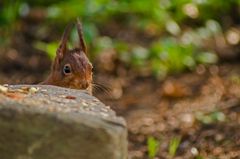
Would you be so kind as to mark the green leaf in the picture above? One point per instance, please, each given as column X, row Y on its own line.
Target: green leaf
column 49, row 48
column 207, row 58
column 153, row 147
column 173, row 145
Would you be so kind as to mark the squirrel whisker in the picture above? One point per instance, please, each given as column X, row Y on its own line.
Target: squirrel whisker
column 101, row 88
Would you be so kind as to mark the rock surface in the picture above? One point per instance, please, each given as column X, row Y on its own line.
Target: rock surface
column 49, row 122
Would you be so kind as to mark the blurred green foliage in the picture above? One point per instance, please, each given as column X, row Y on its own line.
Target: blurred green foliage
column 213, row 117
column 173, row 145
column 153, row 147
column 173, row 31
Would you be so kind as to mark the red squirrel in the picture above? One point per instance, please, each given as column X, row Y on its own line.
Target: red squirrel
column 71, row 68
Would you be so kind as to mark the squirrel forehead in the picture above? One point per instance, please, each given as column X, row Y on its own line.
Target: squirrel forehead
column 78, row 60
column 76, row 56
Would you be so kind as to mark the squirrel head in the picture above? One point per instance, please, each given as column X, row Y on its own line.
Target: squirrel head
column 71, row 68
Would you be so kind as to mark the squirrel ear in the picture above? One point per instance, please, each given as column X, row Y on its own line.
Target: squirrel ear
column 80, row 34
column 62, row 49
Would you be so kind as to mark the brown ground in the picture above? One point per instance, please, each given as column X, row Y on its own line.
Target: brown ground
column 202, row 108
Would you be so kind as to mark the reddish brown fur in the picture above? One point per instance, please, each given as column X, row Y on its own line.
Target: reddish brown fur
column 81, row 68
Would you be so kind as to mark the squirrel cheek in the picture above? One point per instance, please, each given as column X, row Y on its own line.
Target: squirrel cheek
column 78, row 84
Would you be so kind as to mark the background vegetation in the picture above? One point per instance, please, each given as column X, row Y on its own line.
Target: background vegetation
column 155, row 37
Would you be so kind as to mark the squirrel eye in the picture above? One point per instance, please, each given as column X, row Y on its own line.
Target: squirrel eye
column 67, row 69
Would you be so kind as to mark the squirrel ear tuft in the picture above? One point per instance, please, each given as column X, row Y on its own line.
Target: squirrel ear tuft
column 62, row 48
column 81, row 39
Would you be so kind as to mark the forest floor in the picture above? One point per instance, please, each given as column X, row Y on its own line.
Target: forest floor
column 189, row 115
column 201, row 110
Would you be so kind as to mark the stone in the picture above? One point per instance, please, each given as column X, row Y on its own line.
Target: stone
column 49, row 122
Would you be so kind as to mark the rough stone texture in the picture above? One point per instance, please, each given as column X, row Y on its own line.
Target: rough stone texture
column 58, row 123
